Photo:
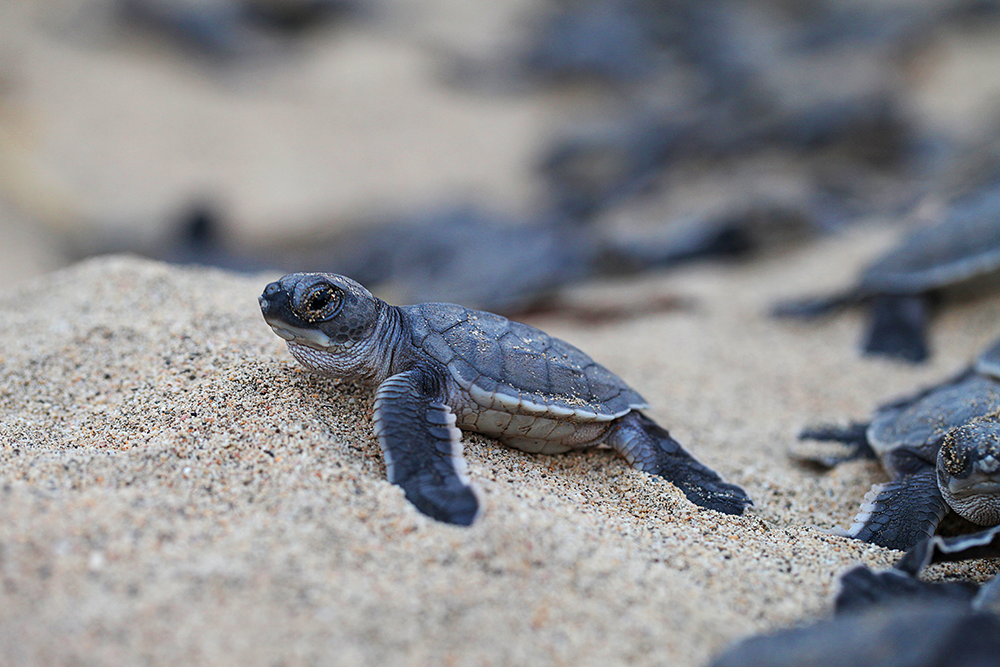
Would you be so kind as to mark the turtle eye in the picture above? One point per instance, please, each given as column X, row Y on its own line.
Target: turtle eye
column 321, row 302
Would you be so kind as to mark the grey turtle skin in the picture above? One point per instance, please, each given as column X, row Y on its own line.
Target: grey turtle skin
column 894, row 618
column 942, row 449
column 958, row 256
column 438, row 368
column 907, row 636
column 862, row 590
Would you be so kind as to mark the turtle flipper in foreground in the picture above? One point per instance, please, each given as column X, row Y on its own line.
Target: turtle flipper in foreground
column 941, row 447
column 423, row 450
column 861, row 589
column 440, row 367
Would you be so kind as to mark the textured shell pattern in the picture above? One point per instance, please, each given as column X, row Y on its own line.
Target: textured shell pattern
column 517, row 368
column 921, row 423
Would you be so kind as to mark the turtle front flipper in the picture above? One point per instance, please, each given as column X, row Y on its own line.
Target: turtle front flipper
column 649, row 447
column 853, row 436
column 898, row 328
column 423, row 448
column 900, row 513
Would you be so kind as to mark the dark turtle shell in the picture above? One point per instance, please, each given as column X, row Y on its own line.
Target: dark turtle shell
column 962, row 248
column 921, row 424
column 516, row 368
column 921, row 421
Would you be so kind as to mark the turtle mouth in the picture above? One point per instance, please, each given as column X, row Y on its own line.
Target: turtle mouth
column 974, row 486
column 310, row 337
column 291, row 333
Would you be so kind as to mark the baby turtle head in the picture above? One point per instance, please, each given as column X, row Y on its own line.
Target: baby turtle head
column 328, row 321
column 968, row 469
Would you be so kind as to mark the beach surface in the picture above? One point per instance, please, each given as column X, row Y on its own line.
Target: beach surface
column 173, row 489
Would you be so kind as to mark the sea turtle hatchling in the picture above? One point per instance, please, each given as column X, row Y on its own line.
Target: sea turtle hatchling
column 440, row 366
column 942, row 448
column 957, row 256
column 894, row 618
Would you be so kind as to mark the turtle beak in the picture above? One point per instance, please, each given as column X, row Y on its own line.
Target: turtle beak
column 276, row 305
column 978, row 482
column 276, row 309
column 272, row 300
column 974, row 487
column 982, row 479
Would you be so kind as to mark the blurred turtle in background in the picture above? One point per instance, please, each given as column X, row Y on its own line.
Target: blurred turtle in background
column 847, row 144
column 959, row 257
column 228, row 30
column 730, row 46
column 818, row 81
column 701, row 81
column 487, row 261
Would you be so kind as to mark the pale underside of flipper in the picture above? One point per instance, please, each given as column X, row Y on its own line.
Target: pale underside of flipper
column 423, row 449
column 900, row 513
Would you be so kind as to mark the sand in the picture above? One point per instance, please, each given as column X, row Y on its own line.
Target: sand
column 175, row 490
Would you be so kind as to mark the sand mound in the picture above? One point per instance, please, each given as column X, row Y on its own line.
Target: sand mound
column 173, row 490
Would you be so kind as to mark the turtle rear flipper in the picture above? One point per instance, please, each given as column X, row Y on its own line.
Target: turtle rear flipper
column 423, row 449
column 649, row 447
column 898, row 328
column 900, row 513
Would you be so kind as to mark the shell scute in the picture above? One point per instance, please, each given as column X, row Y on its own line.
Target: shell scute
column 440, row 317
column 478, row 346
column 514, row 367
column 920, row 424
column 527, row 337
column 601, row 380
column 437, row 347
